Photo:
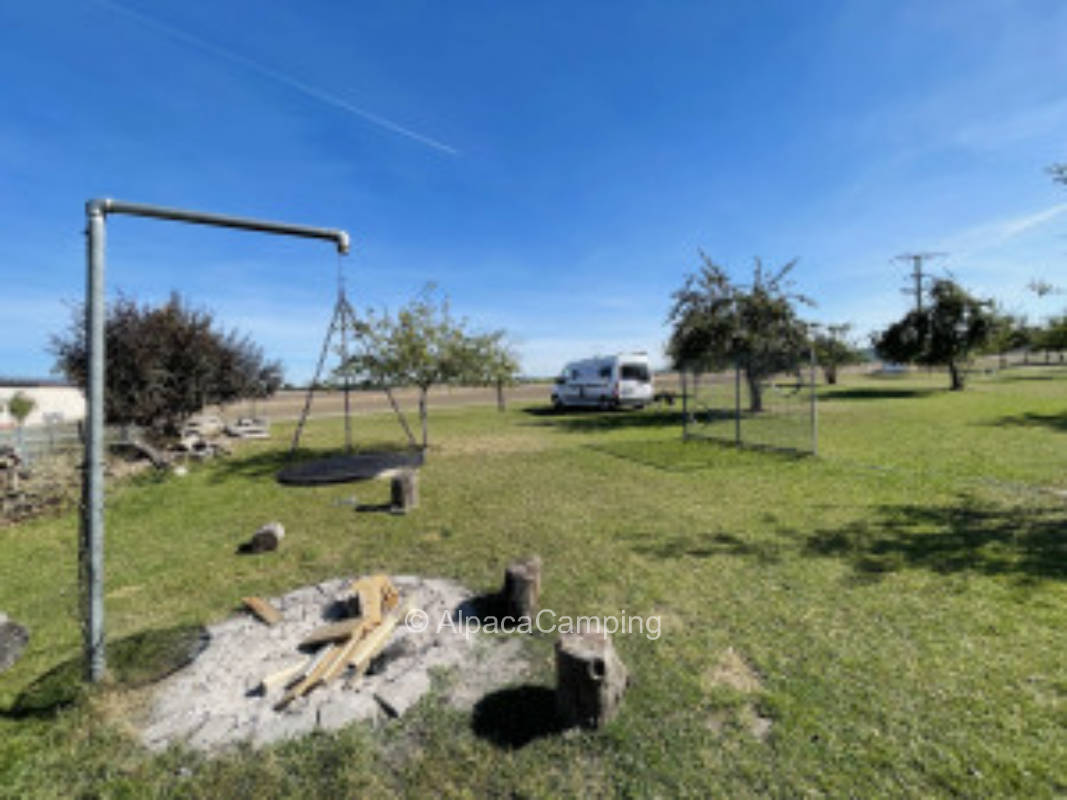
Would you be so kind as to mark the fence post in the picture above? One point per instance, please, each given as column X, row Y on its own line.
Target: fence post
column 814, row 409
column 685, row 407
column 737, row 402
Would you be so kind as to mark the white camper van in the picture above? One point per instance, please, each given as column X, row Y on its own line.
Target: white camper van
column 605, row 382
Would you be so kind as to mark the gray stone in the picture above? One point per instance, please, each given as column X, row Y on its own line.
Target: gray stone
column 267, row 538
column 398, row 696
column 344, row 708
column 13, row 640
column 285, row 726
column 215, row 730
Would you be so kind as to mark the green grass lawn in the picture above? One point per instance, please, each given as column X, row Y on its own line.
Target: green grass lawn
column 902, row 599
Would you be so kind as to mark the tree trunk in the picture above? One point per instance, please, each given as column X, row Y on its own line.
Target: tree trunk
column 755, row 392
column 422, row 416
column 590, row 679
column 830, row 371
column 400, row 415
column 522, row 588
column 500, row 396
column 957, row 376
column 404, row 491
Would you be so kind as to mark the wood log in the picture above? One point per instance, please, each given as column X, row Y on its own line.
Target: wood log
column 372, row 595
column 374, row 642
column 334, row 632
column 322, row 662
column 267, row 538
column 521, row 594
column 262, row 609
column 283, row 676
column 404, row 491
column 590, row 679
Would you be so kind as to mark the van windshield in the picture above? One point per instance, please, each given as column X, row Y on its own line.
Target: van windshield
column 634, row 372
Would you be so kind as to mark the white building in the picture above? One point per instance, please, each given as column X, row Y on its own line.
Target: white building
column 54, row 401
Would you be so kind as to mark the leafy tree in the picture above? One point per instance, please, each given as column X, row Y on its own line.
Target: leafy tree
column 718, row 324
column 422, row 346
column 1053, row 336
column 944, row 333
column 493, row 363
column 1007, row 332
column 833, row 350
column 20, row 406
column 167, row 363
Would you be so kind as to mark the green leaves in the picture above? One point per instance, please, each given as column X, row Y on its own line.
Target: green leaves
column 943, row 333
column 718, row 323
column 424, row 345
column 166, row 363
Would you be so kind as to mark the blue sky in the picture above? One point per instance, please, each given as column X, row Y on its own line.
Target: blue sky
column 553, row 167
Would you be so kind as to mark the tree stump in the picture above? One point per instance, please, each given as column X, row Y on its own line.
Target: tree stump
column 521, row 594
column 404, row 491
column 590, row 679
column 13, row 639
column 267, row 538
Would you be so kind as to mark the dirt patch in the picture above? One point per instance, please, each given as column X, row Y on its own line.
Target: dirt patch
column 214, row 703
column 733, row 672
column 493, row 445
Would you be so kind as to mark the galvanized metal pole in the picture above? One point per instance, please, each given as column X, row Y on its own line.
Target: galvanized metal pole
column 93, row 498
column 91, row 555
column 814, row 408
column 737, row 402
column 685, row 406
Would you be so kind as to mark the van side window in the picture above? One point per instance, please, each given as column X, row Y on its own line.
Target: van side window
column 635, row 372
column 605, row 372
column 574, row 374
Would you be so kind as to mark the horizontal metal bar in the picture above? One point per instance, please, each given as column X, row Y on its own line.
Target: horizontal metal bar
column 107, row 205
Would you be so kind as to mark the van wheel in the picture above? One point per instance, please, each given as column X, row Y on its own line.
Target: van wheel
column 557, row 404
column 604, row 404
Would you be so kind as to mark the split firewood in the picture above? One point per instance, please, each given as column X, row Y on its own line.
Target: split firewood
column 262, row 609
column 284, row 676
column 335, row 632
column 323, row 661
column 374, row 642
column 376, row 594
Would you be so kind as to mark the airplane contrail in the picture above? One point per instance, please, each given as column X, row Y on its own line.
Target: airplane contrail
column 293, row 83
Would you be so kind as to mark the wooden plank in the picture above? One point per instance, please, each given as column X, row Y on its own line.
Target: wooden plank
column 284, row 675
column 323, row 662
column 335, row 631
column 262, row 609
column 374, row 642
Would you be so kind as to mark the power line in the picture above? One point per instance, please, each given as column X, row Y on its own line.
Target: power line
column 917, row 274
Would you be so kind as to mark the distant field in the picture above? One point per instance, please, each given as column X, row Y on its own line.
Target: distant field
column 886, row 620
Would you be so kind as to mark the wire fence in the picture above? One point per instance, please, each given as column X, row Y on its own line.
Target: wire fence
column 778, row 412
column 57, row 438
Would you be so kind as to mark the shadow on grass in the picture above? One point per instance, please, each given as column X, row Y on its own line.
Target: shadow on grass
column 868, row 393
column 482, row 608
column 703, row 545
column 268, row 463
column 1056, row 422
column 133, row 661
column 593, row 420
column 971, row 536
column 697, row 453
column 512, row 718
column 1029, row 543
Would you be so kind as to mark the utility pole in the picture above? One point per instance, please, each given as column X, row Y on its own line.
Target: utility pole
column 917, row 274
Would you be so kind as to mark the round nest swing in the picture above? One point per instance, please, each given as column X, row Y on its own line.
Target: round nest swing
column 348, row 467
